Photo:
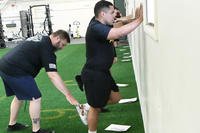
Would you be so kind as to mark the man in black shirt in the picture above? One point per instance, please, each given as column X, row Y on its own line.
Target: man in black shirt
column 100, row 87
column 20, row 66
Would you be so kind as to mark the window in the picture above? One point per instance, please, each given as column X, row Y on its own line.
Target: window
column 150, row 12
column 150, row 18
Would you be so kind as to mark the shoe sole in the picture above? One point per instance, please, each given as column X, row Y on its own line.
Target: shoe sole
column 81, row 112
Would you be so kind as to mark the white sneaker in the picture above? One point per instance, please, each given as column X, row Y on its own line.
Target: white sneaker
column 86, row 106
column 82, row 113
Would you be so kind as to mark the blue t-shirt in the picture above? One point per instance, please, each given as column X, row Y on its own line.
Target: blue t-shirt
column 29, row 57
column 99, row 50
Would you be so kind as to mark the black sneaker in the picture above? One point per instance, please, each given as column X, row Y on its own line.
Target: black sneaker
column 44, row 131
column 17, row 127
column 79, row 82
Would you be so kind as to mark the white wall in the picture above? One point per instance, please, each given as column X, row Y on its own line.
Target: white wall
column 167, row 68
column 63, row 12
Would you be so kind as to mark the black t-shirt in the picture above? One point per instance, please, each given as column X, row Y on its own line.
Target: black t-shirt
column 29, row 57
column 99, row 50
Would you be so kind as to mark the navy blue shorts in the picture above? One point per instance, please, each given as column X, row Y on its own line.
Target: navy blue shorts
column 24, row 87
column 98, row 86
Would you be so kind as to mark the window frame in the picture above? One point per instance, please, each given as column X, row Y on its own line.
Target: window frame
column 150, row 28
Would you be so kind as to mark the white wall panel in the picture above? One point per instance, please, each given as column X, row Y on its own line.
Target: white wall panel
column 167, row 68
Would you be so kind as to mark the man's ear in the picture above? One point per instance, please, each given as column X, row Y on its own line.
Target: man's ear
column 58, row 39
column 102, row 13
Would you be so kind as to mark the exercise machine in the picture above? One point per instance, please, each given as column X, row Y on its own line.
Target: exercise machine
column 2, row 41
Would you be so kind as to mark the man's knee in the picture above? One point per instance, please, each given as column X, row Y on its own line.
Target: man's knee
column 115, row 100
column 38, row 100
column 16, row 100
column 94, row 109
column 115, row 97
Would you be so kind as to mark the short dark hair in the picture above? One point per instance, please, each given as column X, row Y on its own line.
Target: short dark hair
column 62, row 34
column 101, row 5
column 116, row 8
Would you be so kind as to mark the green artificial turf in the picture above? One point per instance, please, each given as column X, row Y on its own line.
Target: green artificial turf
column 59, row 115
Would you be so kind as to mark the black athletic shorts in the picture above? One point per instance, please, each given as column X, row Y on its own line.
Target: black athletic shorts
column 24, row 87
column 98, row 86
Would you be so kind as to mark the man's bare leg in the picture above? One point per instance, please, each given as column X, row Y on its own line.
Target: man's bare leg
column 93, row 116
column 14, row 110
column 114, row 97
column 34, row 111
column 94, row 112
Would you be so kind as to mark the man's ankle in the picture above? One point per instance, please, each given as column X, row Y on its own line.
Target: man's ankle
column 36, row 131
column 92, row 131
column 44, row 131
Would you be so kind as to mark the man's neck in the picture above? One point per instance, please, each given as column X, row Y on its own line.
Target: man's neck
column 100, row 20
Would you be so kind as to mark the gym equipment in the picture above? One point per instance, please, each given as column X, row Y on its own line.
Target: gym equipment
column 25, row 24
column 47, row 22
column 77, row 24
column 2, row 41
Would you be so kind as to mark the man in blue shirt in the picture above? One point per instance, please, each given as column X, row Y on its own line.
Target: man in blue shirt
column 20, row 66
